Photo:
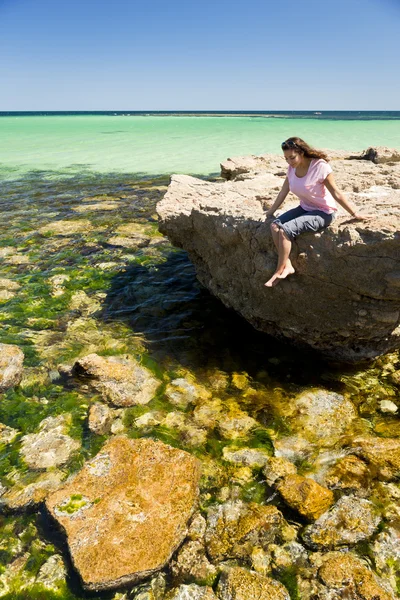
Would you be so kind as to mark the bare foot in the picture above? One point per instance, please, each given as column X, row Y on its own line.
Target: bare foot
column 288, row 270
column 273, row 281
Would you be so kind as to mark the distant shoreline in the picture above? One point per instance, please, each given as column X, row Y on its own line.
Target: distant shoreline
column 319, row 115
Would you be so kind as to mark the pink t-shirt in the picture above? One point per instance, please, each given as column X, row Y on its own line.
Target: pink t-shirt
column 311, row 189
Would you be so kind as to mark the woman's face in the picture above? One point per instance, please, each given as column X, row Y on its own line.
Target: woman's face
column 293, row 158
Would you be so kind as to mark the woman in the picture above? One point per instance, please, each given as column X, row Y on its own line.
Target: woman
column 309, row 177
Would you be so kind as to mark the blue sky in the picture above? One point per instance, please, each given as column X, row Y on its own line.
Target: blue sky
column 210, row 55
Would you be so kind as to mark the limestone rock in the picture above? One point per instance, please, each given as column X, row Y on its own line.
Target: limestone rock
column 278, row 467
column 181, row 392
column 191, row 592
column 348, row 574
column 100, row 418
column 192, row 564
column 51, row 446
column 52, row 573
column 306, row 496
column 380, row 155
column 247, row 457
column 27, row 494
column 348, row 522
column 126, row 512
column 385, row 552
column 7, row 434
column 122, row 382
column 382, row 455
column 66, row 227
column 11, row 366
column 349, row 474
column 350, row 267
column 240, row 584
column 234, row 528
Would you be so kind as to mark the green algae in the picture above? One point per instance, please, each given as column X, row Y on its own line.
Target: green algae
column 151, row 307
column 74, row 504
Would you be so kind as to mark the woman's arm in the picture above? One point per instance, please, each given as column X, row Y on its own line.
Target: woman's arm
column 279, row 199
column 341, row 198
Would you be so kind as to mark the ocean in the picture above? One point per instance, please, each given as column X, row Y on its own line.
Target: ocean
column 161, row 143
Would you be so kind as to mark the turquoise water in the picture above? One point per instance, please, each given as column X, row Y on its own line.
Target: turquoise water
column 151, row 145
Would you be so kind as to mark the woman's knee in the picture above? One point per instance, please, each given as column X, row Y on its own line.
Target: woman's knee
column 275, row 228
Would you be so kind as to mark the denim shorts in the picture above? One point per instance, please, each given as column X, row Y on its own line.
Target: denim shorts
column 297, row 221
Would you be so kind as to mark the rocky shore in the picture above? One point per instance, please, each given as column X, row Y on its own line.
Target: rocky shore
column 145, row 457
column 344, row 300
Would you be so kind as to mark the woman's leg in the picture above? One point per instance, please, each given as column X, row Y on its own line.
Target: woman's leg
column 284, row 266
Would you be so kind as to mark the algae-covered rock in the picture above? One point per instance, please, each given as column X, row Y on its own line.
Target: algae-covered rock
column 349, row 474
column 11, row 366
column 382, row 455
column 278, row 467
column 191, row 564
column 82, row 303
column 101, row 417
column 66, row 227
column 51, row 446
column 52, row 574
column 234, row 528
column 191, row 592
column 349, row 575
column 322, row 416
column 385, row 552
column 29, row 494
column 240, row 584
column 126, row 512
column 181, row 392
column 7, row 434
column 121, row 381
column 348, row 522
column 305, row 495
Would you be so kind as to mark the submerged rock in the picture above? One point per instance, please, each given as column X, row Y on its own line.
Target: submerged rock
column 51, row 446
column 350, row 577
column 11, row 366
column 121, row 381
column 385, row 552
column 52, row 574
column 101, row 417
column 349, row 474
column 126, row 512
column 350, row 267
column 306, row 496
column 240, row 584
column 381, row 454
column 350, row 521
column 191, row 592
column 234, row 528
column 29, row 494
column 278, row 467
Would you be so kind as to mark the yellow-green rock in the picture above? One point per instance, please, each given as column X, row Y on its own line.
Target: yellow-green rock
column 306, row 496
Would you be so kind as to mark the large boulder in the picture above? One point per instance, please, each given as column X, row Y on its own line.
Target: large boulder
column 11, row 366
column 126, row 512
column 344, row 299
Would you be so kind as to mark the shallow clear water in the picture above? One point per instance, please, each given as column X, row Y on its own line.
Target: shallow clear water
column 60, row 172
column 165, row 144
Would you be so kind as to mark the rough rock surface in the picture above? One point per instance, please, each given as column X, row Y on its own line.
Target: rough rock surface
column 11, row 369
column 191, row 592
column 234, row 528
column 350, row 521
column 278, row 467
column 382, row 455
column 349, row 575
column 306, row 496
column 51, row 446
column 240, row 584
column 127, row 510
column 352, row 267
column 29, row 494
column 122, row 382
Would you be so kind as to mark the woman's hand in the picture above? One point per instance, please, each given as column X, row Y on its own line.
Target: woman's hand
column 360, row 217
column 269, row 213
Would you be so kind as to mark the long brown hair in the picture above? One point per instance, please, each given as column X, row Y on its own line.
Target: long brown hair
column 299, row 145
